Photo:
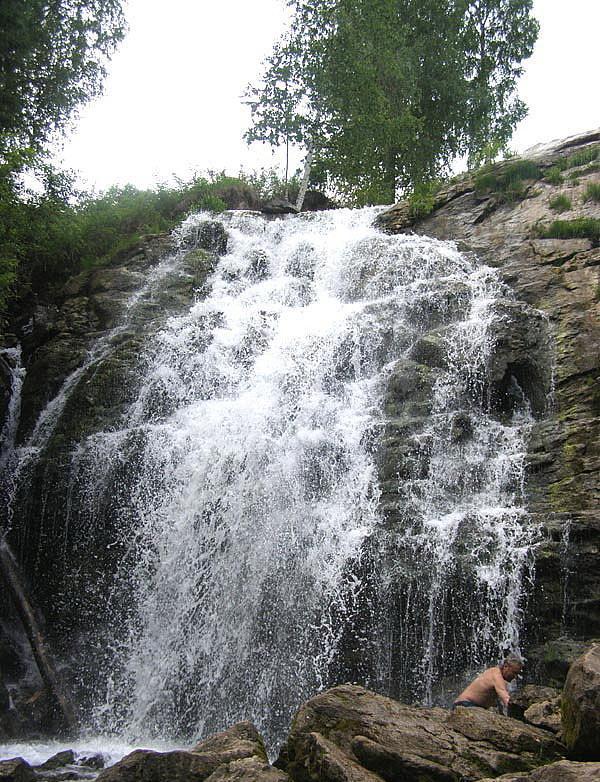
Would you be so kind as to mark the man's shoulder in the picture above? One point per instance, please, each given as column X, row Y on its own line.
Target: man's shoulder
column 492, row 672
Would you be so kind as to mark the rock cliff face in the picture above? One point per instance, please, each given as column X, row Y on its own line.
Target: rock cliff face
column 556, row 282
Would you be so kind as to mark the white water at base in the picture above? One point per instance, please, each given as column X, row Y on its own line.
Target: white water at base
column 251, row 526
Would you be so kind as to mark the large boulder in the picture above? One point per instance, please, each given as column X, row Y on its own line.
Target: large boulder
column 581, row 706
column 349, row 733
column 562, row 771
column 527, row 696
column 16, row 770
column 236, row 754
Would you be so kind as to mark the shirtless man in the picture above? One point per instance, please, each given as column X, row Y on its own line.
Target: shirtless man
column 491, row 684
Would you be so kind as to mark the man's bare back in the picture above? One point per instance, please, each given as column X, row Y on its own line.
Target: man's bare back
column 489, row 686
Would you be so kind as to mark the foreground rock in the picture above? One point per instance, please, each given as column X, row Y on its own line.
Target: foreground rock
column 237, row 755
column 351, row 734
column 581, row 706
column 563, row 771
column 16, row 770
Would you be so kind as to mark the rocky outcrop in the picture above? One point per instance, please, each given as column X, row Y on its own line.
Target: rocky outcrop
column 556, row 282
column 563, row 771
column 349, row 733
column 16, row 770
column 580, row 706
column 238, row 754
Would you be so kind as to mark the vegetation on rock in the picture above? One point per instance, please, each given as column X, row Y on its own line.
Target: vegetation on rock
column 507, row 184
column 578, row 228
column 560, row 203
column 592, row 192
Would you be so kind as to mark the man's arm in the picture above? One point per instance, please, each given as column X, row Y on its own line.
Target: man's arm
column 500, row 687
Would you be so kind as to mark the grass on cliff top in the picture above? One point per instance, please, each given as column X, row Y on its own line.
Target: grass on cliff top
column 579, row 228
column 507, row 185
column 580, row 158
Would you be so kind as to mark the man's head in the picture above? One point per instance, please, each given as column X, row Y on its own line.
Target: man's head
column 511, row 667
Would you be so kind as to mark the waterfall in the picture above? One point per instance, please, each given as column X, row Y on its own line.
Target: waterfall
column 256, row 562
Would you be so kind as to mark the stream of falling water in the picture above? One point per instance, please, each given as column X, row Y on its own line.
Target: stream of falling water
column 252, row 451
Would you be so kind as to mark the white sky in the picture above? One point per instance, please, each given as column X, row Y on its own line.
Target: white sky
column 171, row 103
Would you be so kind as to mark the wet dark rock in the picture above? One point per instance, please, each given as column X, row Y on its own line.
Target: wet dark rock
column 351, row 733
column 461, row 428
column 223, row 752
column 520, row 367
column 278, row 206
column 96, row 761
column 16, row 770
column 581, row 706
column 315, row 201
column 63, row 758
column 258, row 268
column 302, row 262
column 430, row 350
column 213, row 237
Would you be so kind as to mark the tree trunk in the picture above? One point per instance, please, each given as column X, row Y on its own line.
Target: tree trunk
column 304, row 184
column 14, row 583
column 391, row 174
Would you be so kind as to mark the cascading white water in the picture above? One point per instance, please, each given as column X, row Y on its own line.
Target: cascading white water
column 255, row 561
column 464, row 555
column 255, row 482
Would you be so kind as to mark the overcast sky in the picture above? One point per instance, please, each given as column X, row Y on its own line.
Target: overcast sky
column 171, row 103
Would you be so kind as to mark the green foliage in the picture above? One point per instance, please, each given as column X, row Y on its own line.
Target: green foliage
column 581, row 158
column 268, row 183
column 554, row 176
column 422, row 199
column 53, row 58
column 560, row 203
column 592, row 192
column 387, row 94
column 47, row 236
column 579, row 228
column 508, row 182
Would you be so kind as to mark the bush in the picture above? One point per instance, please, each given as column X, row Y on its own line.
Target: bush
column 579, row 228
column 560, row 203
column 592, row 192
column 554, row 176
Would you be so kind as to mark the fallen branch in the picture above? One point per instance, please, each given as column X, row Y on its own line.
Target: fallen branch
column 11, row 574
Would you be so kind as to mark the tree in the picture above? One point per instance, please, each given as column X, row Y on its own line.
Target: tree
column 388, row 92
column 53, row 56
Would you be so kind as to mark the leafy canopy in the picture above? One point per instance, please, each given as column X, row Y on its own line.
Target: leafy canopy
column 388, row 92
column 53, row 56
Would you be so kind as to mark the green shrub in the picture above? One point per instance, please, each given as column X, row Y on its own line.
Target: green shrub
column 581, row 158
column 579, row 228
column 508, row 184
column 560, row 203
column 592, row 192
column 422, row 199
column 553, row 176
